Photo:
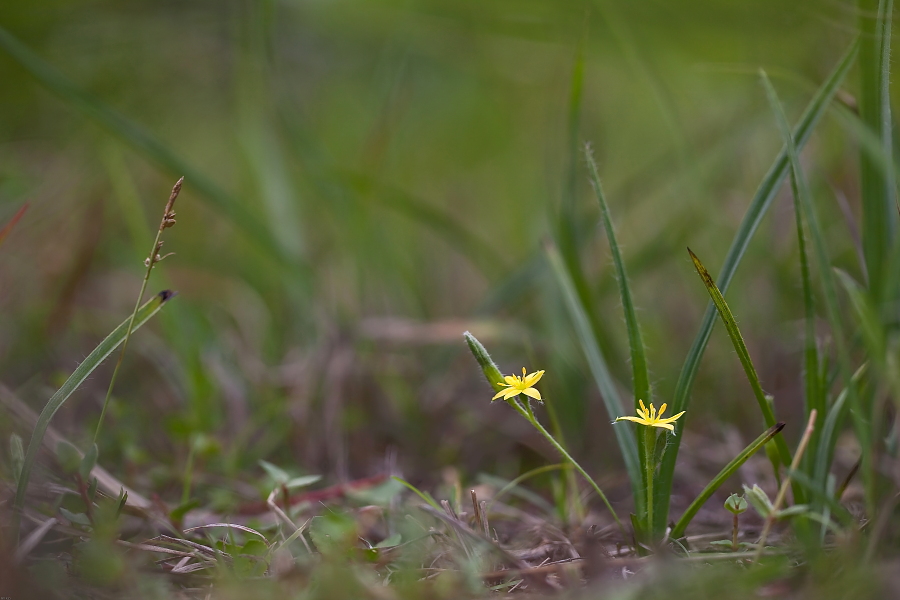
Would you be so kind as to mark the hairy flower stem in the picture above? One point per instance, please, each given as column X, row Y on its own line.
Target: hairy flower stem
column 650, row 468
column 167, row 221
column 526, row 412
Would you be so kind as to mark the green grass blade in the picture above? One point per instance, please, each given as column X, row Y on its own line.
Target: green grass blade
column 879, row 218
column 143, row 141
column 723, row 475
column 599, row 369
column 87, row 366
column 743, row 354
column 425, row 496
column 758, row 207
column 639, row 368
column 823, row 263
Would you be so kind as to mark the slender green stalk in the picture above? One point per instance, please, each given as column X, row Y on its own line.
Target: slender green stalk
column 168, row 220
column 526, row 412
column 650, row 469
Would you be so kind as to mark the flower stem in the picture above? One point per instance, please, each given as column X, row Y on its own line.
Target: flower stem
column 526, row 412
column 650, row 467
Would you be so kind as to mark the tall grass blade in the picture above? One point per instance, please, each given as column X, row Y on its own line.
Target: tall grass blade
column 826, row 275
column 814, row 395
column 639, row 368
column 723, row 476
column 143, row 141
column 737, row 340
column 599, row 369
column 766, row 192
column 877, row 187
column 87, row 366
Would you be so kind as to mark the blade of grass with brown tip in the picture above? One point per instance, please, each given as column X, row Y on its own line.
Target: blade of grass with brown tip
column 87, row 366
column 758, row 207
column 737, row 340
column 723, row 475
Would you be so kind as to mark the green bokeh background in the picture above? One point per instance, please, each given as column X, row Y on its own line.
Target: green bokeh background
column 400, row 165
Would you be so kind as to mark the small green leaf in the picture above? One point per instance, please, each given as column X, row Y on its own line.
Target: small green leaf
column 390, row 542
column 278, row 475
column 792, row 511
column 735, row 504
column 179, row 511
column 334, row 534
column 77, row 518
column 758, row 499
column 299, row 482
column 69, row 458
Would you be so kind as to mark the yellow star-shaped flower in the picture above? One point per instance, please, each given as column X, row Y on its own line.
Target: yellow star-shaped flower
column 651, row 419
column 516, row 385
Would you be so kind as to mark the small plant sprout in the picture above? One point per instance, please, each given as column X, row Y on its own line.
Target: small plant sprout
column 511, row 388
column 650, row 418
column 516, row 385
column 735, row 505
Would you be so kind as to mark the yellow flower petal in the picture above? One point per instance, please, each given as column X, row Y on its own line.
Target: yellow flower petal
column 532, row 392
column 533, row 378
column 511, row 380
column 672, row 419
column 510, row 393
column 664, row 426
column 629, row 418
column 498, row 394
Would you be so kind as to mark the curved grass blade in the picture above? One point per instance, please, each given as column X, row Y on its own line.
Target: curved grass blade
column 524, row 476
column 640, row 370
column 142, row 140
column 599, row 369
column 87, row 366
column 723, row 475
column 826, row 275
column 784, row 454
column 766, row 192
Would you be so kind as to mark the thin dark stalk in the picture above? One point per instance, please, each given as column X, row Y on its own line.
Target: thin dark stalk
column 168, row 220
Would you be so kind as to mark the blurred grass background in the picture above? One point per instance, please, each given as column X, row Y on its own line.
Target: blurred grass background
column 365, row 181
